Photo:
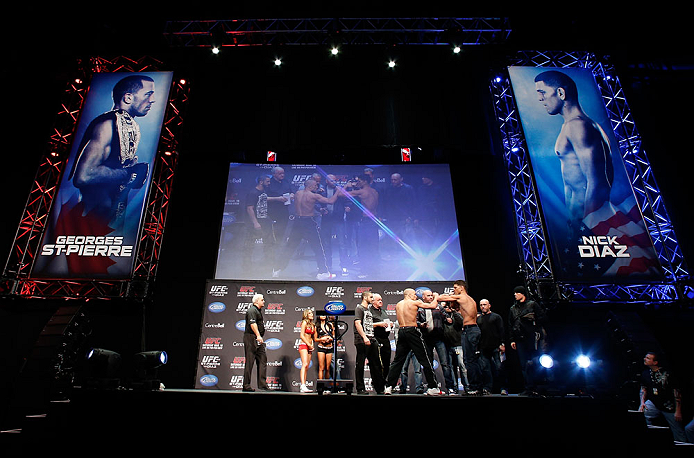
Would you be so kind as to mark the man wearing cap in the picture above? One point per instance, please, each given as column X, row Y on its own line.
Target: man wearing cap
column 526, row 318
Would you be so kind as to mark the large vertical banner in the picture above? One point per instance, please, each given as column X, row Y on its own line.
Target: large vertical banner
column 595, row 227
column 96, row 214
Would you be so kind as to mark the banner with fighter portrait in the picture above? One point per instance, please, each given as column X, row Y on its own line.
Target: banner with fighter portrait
column 95, row 220
column 595, row 228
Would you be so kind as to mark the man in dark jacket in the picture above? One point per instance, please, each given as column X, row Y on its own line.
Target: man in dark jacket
column 526, row 319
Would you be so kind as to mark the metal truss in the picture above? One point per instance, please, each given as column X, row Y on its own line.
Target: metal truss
column 532, row 237
column 337, row 31
column 16, row 280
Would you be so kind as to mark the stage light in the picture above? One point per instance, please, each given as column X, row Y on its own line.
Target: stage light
column 103, row 362
column 546, row 361
column 456, row 49
column 215, row 50
column 391, row 64
column 583, row 361
column 334, row 51
column 102, row 369
column 278, row 62
column 146, row 365
column 150, row 359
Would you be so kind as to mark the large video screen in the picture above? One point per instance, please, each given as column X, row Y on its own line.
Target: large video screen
column 595, row 227
column 295, row 222
column 96, row 215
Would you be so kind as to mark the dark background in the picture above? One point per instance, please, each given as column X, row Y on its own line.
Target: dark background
column 316, row 109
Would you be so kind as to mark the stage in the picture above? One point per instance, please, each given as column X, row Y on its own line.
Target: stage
column 481, row 184
column 179, row 420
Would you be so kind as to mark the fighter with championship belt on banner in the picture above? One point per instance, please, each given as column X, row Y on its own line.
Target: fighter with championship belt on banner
column 94, row 225
column 107, row 167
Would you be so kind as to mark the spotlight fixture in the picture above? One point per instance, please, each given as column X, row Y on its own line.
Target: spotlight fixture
column 334, row 51
column 102, row 368
column 278, row 62
column 391, row 64
column 583, row 361
column 456, row 49
column 546, row 361
column 150, row 360
column 145, row 365
column 103, row 362
column 215, row 50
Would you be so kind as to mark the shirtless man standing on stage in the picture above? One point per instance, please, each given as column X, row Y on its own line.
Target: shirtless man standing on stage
column 306, row 226
column 367, row 195
column 410, row 339
column 471, row 333
column 368, row 227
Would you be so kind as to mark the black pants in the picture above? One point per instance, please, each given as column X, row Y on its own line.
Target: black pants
column 370, row 352
column 527, row 356
column 385, row 353
column 252, row 234
column 254, row 353
column 305, row 228
column 411, row 339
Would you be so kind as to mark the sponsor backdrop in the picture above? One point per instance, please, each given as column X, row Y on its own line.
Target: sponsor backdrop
column 221, row 355
column 604, row 240
column 95, row 221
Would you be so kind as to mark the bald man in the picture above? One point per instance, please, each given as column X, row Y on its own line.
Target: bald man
column 307, row 226
column 410, row 339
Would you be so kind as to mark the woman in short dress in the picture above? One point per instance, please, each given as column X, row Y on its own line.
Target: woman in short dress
column 325, row 334
column 308, row 330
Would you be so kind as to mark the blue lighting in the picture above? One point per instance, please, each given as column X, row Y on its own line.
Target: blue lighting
column 583, row 361
column 536, row 249
column 546, row 361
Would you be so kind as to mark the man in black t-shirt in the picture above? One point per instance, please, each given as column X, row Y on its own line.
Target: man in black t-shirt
column 660, row 395
column 381, row 329
column 259, row 224
column 278, row 208
column 491, row 343
column 365, row 343
column 254, row 345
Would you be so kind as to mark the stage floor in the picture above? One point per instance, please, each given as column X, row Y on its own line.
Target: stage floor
column 206, row 420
